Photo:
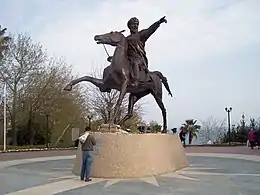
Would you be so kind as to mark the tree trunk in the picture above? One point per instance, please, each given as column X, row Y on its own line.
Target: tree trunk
column 190, row 138
column 30, row 132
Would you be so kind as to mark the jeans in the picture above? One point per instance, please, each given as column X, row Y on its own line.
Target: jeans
column 252, row 144
column 87, row 157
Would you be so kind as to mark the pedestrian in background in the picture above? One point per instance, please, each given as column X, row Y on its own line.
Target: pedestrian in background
column 182, row 136
column 258, row 138
column 252, row 138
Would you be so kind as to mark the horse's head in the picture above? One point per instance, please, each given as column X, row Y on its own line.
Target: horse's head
column 112, row 38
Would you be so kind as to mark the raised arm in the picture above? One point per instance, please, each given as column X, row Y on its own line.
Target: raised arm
column 146, row 33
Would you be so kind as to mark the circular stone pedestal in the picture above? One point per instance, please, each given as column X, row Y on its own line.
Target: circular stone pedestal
column 134, row 155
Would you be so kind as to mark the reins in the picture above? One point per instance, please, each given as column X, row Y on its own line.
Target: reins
column 105, row 49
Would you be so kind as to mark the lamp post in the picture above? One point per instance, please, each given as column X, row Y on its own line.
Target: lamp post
column 89, row 121
column 4, row 115
column 243, row 117
column 228, row 110
column 47, row 114
column 243, row 121
column 47, row 130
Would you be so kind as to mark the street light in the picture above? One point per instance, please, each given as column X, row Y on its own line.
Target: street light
column 4, row 115
column 89, row 121
column 47, row 130
column 228, row 110
column 5, row 79
column 243, row 121
column 47, row 113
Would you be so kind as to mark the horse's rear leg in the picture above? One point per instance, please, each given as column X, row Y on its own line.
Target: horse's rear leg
column 158, row 99
column 97, row 82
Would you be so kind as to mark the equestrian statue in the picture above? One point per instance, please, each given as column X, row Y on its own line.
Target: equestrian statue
column 128, row 71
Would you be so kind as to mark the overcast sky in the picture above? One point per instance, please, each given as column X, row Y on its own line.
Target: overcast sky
column 209, row 50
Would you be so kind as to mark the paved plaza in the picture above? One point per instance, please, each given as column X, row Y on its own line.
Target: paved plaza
column 208, row 174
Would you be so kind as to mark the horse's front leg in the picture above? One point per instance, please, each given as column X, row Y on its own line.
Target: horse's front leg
column 131, row 102
column 120, row 99
column 97, row 82
column 133, row 98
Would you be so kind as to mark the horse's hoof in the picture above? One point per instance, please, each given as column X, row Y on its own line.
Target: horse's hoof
column 67, row 88
column 164, row 131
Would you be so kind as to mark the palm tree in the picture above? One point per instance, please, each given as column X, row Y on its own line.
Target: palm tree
column 3, row 41
column 192, row 129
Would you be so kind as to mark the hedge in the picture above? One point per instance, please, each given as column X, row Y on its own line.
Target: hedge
column 32, row 148
column 218, row 145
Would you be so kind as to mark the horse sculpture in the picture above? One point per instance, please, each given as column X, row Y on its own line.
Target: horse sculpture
column 118, row 76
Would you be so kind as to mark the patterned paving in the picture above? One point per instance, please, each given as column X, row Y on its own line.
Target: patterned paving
column 209, row 173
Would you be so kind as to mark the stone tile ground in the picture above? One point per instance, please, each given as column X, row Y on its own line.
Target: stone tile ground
column 206, row 176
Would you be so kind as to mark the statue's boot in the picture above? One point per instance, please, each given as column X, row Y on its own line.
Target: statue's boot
column 134, row 83
column 109, row 59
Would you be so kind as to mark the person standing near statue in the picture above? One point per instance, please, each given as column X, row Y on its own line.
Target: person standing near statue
column 136, row 46
column 258, row 138
column 88, row 142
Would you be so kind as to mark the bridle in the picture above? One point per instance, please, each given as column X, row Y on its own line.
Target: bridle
column 105, row 46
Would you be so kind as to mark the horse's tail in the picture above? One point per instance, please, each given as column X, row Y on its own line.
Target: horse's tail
column 164, row 81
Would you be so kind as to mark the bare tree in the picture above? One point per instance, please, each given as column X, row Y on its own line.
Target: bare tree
column 35, row 95
column 23, row 60
column 211, row 129
column 33, row 98
column 102, row 104
column 258, row 123
column 46, row 98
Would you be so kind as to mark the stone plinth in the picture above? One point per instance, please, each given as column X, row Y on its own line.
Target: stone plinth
column 134, row 155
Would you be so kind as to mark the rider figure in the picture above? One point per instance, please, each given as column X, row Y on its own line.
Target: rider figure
column 136, row 46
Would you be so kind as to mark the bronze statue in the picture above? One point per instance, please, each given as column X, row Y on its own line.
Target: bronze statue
column 136, row 47
column 118, row 74
column 3, row 41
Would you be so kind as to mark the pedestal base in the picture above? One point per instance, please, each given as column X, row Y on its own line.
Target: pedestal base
column 134, row 155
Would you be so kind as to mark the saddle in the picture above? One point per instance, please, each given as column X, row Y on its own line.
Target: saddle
column 144, row 76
